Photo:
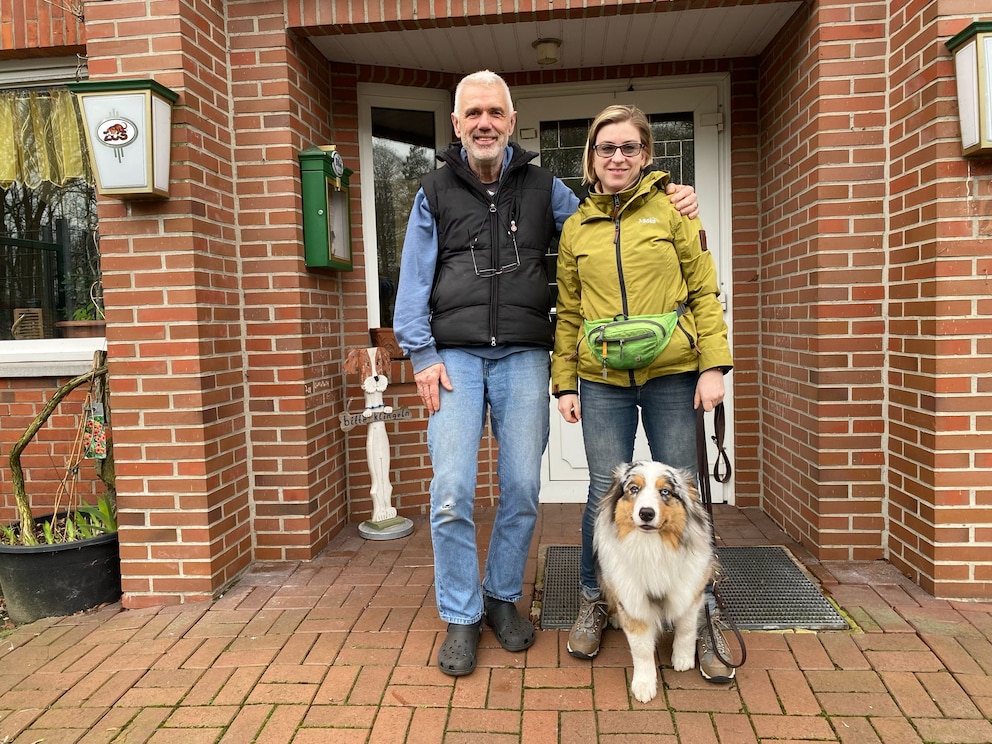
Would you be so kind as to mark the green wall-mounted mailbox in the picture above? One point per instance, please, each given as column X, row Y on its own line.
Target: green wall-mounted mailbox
column 326, row 209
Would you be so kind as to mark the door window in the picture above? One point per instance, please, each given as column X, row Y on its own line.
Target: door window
column 562, row 142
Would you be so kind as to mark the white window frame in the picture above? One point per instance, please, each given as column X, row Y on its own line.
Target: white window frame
column 41, row 72
column 377, row 95
column 49, row 357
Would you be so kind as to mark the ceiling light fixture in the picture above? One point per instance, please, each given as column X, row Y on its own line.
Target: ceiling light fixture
column 547, row 51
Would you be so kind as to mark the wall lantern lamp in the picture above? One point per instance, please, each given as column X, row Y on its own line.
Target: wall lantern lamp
column 547, row 51
column 128, row 127
column 972, row 49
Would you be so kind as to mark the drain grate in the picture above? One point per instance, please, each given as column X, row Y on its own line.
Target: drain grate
column 764, row 589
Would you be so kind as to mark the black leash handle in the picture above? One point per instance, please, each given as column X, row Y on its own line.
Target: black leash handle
column 719, row 424
column 722, row 458
column 721, row 468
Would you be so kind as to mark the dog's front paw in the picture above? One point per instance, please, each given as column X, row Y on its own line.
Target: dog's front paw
column 644, row 688
column 684, row 662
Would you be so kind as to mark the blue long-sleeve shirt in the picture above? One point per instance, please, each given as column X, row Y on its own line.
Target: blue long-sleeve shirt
column 411, row 318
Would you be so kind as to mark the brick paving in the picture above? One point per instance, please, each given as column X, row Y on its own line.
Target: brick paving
column 342, row 650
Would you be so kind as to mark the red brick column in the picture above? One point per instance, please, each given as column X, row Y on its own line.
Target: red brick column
column 171, row 273
column 940, row 410
column 821, row 277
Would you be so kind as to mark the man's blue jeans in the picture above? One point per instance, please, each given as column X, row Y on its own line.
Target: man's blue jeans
column 609, row 425
column 514, row 389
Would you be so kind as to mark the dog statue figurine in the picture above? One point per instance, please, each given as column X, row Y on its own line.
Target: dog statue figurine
column 372, row 365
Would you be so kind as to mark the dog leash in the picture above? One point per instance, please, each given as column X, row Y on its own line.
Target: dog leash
column 721, row 474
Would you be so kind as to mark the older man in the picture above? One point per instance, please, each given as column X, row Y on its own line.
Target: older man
column 473, row 313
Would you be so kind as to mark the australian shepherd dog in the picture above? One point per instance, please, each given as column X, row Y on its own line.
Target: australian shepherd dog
column 655, row 556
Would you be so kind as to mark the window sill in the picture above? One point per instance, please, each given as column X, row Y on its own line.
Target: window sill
column 49, row 357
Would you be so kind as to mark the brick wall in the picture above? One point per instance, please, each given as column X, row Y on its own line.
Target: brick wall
column 39, row 28
column 294, row 320
column 171, row 276
column 47, row 459
column 744, row 284
column 823, row 130
column 940, row 358
column 873, row 234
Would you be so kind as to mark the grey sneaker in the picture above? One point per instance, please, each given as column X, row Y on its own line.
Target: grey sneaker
column 710, row 666
column 587, row 630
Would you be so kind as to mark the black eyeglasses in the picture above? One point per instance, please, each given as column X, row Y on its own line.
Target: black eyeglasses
column 608, row 149
column 486, row 271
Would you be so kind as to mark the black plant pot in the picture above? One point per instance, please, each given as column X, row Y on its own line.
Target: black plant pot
column 55, row 580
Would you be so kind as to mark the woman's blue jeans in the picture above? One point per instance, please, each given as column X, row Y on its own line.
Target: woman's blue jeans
column 609, row 425
column 514, row 391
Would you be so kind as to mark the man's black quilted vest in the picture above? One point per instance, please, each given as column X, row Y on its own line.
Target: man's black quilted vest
column 471, row 305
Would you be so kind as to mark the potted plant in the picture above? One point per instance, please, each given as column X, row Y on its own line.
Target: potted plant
column 67, row 561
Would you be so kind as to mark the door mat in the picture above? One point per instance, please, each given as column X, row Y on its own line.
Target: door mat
column 763, row 588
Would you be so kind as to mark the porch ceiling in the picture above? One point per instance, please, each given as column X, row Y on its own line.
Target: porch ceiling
column 741, row 30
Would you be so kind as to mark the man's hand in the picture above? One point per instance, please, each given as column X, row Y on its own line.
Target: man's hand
column 428, row 381
column 684, row 199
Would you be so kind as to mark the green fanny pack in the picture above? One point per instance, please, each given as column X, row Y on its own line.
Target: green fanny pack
column 630, row 343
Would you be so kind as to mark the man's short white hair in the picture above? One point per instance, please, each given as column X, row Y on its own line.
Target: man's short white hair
column 482, row 77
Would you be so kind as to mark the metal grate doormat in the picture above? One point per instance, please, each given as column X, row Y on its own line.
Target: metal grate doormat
column 558, row 573
column 764, row 588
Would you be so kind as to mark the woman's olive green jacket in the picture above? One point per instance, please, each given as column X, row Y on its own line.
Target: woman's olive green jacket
column 638, row 242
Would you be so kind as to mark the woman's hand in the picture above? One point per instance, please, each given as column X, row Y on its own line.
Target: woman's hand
column 709, row 390
column 684, row 199
column 569, row 408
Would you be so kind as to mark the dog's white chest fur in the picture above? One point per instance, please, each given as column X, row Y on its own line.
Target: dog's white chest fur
column 645, row 573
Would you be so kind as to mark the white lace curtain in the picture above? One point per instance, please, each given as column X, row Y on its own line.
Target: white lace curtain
column 41, row 138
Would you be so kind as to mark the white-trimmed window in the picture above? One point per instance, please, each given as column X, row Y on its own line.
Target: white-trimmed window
column 401, row 130
column 49, row 255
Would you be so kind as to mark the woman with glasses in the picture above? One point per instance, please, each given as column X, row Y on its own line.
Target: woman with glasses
column 628, row 252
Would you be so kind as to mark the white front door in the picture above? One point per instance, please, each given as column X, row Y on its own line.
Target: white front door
column 690, row 115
